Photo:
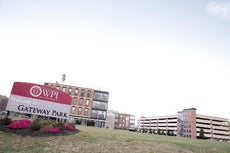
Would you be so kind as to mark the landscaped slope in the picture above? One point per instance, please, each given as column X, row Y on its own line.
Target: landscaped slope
column 98, row 140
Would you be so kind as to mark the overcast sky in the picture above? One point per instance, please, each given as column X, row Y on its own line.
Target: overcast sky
column 154, row 57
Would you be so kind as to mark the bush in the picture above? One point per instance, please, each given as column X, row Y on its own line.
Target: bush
column 49, row 128
column 35, row 125
column 19, row 124
column 38, row 127
column 47, row 122
column 5, row 121
column 39, row 123
column 69, row 127
column 60, row 125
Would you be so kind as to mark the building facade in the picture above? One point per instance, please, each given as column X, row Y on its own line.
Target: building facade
column 188, row 124
column 89, row 106
column 116, row 120
column 164, row 124
column 122, row 121
column 110, row 119
column 3, row 102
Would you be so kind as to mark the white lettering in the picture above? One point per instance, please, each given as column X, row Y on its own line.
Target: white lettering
column 50, row 94
column 55, row 94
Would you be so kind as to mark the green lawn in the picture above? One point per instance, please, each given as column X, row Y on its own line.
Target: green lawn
column 98, row 140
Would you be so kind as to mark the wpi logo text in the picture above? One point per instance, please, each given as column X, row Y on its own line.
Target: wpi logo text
column 37, row 91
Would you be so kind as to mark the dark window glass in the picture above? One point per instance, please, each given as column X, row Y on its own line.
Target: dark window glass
column 88, row 93
column 82, row 93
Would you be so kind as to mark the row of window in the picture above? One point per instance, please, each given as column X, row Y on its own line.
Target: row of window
column 75, row 91
column 101, row 96
column 210, row 119
column 122, row 125
column 100, row 105
column 95, row 113
column 81, row 101
column 187, row 136
column 98, row 114
column 79, row 111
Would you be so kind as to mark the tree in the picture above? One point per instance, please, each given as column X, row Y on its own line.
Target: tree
column 63, row 77
column 168, row 132
column 150, row 131
column 201, row 133
column 162, row 132
column 172, row 133
column 158, row 131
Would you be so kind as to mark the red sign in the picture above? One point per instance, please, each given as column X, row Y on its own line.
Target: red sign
column 39, row 99
column 41, row 92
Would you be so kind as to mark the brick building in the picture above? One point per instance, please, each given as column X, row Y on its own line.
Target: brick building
column 89, row 106
column 118, row 120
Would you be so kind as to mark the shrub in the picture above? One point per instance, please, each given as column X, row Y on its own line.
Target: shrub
column 60, row 125
column 35, row 125
column 39, row 123
column 49, row 128
column 47, row 122
column 19, row 124
column 69, row 127
column 5, row 121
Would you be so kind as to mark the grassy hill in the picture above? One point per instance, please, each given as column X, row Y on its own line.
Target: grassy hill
column 98, row 140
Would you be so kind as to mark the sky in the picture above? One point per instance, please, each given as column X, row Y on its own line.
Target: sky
column 154, row 57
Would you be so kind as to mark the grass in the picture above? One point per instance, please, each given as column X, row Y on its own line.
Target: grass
column 99, row 140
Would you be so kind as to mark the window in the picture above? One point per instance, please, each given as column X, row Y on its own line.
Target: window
column 100, row 105
column 76, row 91
column 101, row 96
column 63, row 89
column 98, row 114
column 74, row 100
column 70, row 90
column 82, row 93
column 79, row 111
column 86, row 112
column 73, row 109
column 81, row 101
column 88, row 93
column 87, row 102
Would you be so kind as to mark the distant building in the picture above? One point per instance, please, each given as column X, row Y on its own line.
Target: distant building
column 110, row 119
column 163, row 123
column 3, row 102
column 188, row 124
column 118, row 120
column 89, row 106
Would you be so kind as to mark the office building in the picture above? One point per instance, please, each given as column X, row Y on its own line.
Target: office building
column 89, row 106
column 116, row 120
column 189, row 124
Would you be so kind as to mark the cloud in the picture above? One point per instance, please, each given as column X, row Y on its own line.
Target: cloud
column 219, row 9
